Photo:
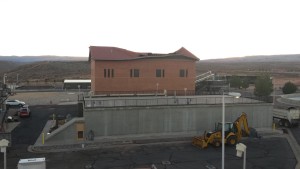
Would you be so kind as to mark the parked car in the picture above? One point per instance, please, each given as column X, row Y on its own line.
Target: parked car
column 24, row 111
column 14, row 103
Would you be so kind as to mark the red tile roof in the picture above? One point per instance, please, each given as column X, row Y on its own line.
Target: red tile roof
column 114, row 53
column 187, row 53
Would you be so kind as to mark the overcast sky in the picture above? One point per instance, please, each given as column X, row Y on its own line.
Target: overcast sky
column 209, row 29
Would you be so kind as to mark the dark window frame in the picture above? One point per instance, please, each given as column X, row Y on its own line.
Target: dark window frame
column 134, row 72
column 160, row 72
column 108, row 73
column 181, row 73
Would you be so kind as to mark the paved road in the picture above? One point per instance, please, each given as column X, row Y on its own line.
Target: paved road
column 266, row 153
column 29, row 129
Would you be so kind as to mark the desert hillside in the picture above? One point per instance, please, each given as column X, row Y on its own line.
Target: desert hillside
column 49, row 71
column 56, row 69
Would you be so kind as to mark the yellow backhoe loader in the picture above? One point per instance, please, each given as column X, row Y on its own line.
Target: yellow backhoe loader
column 233, row 133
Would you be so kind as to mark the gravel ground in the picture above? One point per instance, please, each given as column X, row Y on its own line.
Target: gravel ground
column 46, row 98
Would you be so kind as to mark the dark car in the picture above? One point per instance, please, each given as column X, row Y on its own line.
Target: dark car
column 24, row 111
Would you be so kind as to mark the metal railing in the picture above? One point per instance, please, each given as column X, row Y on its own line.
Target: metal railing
column 164, row 101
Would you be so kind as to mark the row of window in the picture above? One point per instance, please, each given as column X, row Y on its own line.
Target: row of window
column 109, row 73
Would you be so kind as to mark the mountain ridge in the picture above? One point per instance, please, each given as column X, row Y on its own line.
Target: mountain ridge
column 259, row 58
column 28, row 59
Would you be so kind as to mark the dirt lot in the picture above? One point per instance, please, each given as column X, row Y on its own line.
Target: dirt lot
column 46, row 98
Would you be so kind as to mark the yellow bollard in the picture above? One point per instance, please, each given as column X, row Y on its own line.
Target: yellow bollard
column 43, row 138
column 273, row 126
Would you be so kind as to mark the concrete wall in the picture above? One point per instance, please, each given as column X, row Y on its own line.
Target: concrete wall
column 162, row 120
column 181, row 121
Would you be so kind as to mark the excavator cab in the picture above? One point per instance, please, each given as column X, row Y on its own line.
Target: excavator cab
column 228, row 126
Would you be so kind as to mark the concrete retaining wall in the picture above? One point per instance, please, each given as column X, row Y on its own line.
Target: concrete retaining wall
column 162, row 120
column 66, row 133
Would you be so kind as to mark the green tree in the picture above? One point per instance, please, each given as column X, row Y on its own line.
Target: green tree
column 245, row 84
column 263, row 86
column 289, row 88
column 235, row 82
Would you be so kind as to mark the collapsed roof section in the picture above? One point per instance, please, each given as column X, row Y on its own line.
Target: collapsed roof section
column 114, row 53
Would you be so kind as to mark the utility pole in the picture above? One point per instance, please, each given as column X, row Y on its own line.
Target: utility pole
column 4, row 76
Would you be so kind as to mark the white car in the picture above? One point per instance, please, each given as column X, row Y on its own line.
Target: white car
column 14, row 103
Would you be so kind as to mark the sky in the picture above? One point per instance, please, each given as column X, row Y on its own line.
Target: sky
column 209, row 29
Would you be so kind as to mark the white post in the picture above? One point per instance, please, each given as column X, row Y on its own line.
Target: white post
column 244, row 166
column 3, row 145
column 5, row 158
column 223, row 131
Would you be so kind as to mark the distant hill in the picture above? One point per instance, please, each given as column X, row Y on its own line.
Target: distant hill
column 55, row 68
column 260, row 58
column 50, row 71
column 279, row 65
column 28, row 59
column 8, row 65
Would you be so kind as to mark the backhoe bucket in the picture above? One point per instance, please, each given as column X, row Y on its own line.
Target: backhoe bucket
column 199, row 142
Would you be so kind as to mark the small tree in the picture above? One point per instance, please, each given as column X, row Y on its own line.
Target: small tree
column 245, row 84
column 235, row 82
column 263, row 86
column 289, row 88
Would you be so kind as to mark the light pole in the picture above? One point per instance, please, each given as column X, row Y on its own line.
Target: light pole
column 157, row 84
column 236, row 95
column 223, row 131
column 4, row 78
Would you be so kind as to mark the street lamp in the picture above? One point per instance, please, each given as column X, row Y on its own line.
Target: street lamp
column 4, row 77
column 78, row 88
column 240, row 149
column 3, row 145
column 17, row 78
column 236, row 95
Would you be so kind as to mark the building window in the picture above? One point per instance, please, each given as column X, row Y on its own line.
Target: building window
column 183, row 73
column 134, row 73
column 108, row 73
column 160, row 73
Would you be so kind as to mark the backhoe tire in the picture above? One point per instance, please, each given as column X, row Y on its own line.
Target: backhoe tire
column 287, row 123
column 217, row 143
column 281, row 122
column 232, row 140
